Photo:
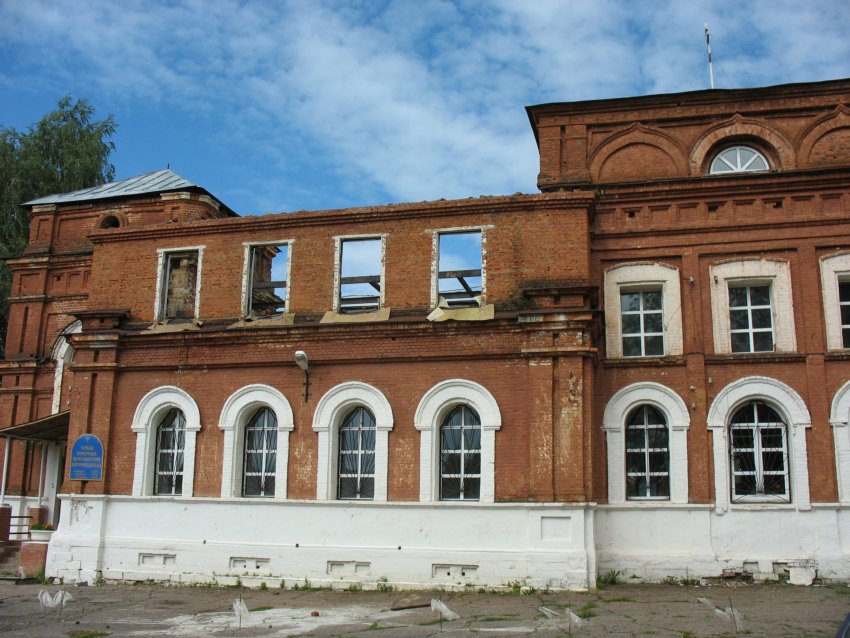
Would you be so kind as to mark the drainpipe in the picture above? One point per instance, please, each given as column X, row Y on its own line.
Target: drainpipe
column 5, row 471
column 41, row 472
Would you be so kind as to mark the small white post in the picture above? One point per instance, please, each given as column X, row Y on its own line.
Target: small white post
column 708, row 47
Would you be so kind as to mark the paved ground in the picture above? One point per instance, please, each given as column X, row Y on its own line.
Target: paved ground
column 619, row 610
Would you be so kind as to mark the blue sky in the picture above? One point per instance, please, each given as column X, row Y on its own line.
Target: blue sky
column 282, row 106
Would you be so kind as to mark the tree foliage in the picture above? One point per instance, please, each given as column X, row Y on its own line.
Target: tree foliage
column 64, row 151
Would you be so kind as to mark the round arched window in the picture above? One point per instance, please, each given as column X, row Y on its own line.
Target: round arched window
column 738, row 159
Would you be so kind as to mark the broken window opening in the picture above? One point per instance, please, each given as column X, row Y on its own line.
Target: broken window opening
column 180, row 290
column 360, row 275
column 459, row 264
column 268, row 280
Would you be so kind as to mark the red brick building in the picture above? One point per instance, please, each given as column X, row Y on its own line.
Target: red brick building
column 643, row 368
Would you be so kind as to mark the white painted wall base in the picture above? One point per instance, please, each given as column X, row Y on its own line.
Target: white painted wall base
column 410, row 545
column 654, row 542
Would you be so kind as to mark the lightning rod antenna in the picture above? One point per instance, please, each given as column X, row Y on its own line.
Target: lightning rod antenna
column 708, row 47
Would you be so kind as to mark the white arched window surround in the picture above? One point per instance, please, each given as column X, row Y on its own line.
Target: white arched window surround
column 429, row 416
column 149, row 414
column 643, row 276
column 839, row 417
column 834, row 269
column 330, row 411
column 675, row 412
column 748, row 272
column 237, row 411
column 789, row 405
column 62, row 354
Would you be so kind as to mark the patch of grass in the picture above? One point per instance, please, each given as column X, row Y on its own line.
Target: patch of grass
column 496, row 618
column 686, row 634
column 611, row 577
column 375, row 627
column 618, row 599
column 87, row 633
column 841, row 590
column 354, row 588
column 383, row 585
column 263, row 586
column 433, row 621
column 587, row 611
column 264, row 608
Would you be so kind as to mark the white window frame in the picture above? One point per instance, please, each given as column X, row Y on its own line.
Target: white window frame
column 435, row 404
column 636, row 277
column 751, row 331
column 237, row 411
column 161, row 284
column 738, row 168
column 839, row 418
column 618, row 409
column 338, row 241
column 247, row 271
column 435, row 259
column 834, row 269
column 149, row 414
column 757, row 451
column 332, row 408
column 749, row 272
column 791, row 408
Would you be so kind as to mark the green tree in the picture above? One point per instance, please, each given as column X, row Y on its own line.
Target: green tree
column 65, row 151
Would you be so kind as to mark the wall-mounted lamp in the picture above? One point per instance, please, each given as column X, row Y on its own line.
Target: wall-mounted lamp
column 302, row 362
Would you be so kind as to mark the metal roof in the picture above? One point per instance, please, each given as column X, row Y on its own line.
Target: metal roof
column 48, row 428
column 156, row 182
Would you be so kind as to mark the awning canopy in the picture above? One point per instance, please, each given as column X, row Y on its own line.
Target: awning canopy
column 49, row 428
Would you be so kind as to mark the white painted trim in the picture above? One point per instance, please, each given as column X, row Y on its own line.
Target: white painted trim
column 330, row 412
column 790, row 406
column 832, row 269
column 62, row 352
column 746, row 271
column 338, row 239
column 643, row 276
column 435, row 258
column 149, row 413
column 246, row 269
column 237, row 411
column 432, row 408
column 161, row 252
column 678, row 420
column 839, row 417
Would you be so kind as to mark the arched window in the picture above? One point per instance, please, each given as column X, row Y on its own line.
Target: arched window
column 170, row 443
column 759, row 454
column 260, row 459
column 738, row 159
column 356, row 469
column 460, row 455
column 647, row 454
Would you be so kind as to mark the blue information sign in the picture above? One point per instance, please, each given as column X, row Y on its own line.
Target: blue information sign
column 87, row 459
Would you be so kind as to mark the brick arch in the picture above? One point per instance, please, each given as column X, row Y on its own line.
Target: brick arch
column 654, row 154
column 827, row 141
column 779, row 150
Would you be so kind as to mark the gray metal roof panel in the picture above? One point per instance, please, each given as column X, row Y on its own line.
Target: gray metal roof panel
column 155, row 182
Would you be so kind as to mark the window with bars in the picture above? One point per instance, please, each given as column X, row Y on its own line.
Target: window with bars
column 751, row 318
column 738, row 159
column 260, row 457
column 460, row 455
column 267, row 283
column 170, row 441
column 642, row 323
column 759, row 453
column 844, row 308
column 647, row 455
column 356, row 468
column 360, row 275
column 179, row 286
column 459, row 268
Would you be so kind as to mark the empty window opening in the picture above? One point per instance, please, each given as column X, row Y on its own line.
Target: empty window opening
column 642, row 319
column 260, row 460
column 751, row 318
column 460, row 455
column 356, row 478
column 180, row 291
column 110, row 221
column 759, row 451
column 459, row 268
column 844, row 304
column 360, row 275
column 647, row 455
column 170, row 441
column 268, row 280
column 738, row 159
